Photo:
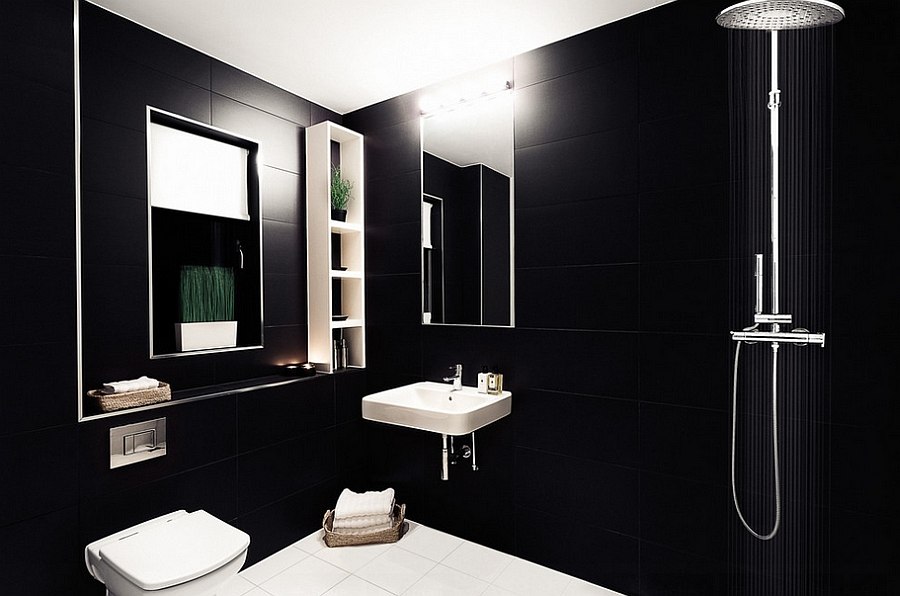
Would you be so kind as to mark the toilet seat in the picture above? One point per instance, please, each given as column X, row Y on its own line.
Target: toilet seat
column 167, row 551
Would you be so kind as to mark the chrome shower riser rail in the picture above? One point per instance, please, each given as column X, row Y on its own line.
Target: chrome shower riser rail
column 787, row 337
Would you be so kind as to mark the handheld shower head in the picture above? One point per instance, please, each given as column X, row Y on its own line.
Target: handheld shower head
column 778, row 15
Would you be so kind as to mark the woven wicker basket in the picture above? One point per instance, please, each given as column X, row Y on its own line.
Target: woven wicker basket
column 392, row 534
column 109, row 402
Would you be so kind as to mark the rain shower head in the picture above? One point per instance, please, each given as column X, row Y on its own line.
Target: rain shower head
column 778, row 15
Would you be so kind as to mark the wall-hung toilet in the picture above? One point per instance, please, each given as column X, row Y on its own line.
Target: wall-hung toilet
column 179, row 554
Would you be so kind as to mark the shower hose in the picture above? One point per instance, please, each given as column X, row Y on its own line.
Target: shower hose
column 737, row 507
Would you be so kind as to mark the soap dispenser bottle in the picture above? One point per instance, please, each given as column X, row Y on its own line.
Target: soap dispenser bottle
column 483, row 380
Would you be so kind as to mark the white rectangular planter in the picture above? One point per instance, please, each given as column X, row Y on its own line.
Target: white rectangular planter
column 205, row 336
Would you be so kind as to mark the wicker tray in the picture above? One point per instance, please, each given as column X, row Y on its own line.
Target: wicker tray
column 109, row 402
column 392, row 534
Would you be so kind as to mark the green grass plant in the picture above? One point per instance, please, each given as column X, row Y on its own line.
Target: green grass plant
column 206, row 294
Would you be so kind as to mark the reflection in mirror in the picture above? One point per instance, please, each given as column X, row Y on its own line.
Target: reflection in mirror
column 467, row 213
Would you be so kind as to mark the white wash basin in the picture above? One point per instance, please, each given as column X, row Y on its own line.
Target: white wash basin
column 434, row 407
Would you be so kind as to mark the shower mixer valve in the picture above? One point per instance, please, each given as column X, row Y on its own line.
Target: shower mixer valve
column 775, row 335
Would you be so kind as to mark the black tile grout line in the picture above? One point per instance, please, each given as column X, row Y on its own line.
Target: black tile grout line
column 591, row 526
column 323, row 482
column 261, row 110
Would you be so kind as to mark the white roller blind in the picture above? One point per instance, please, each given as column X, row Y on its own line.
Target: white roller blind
column 192, row 173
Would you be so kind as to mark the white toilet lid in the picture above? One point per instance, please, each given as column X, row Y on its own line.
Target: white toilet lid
column 176, row 551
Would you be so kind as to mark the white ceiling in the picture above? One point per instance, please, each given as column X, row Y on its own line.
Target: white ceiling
column 348, row 54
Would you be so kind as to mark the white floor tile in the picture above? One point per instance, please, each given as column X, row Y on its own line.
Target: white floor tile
column 312, row 543
column 354, row 586
column 273, row 565
column 432, row 544
column 479, row 561
column 579, row 587
column 493, row 590
column 396, row 570
column 352, row 558
column 442, row 581
column 236, row 586
column 309, row 577
column 527, row 579
column 257, row 592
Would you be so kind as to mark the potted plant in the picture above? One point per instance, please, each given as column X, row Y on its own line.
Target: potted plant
column 340, row 194
column 206, row 300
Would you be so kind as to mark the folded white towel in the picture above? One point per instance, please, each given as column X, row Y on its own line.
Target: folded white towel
column 361, row 521
column 351, row 504
column 130, row 385
column 362, row 531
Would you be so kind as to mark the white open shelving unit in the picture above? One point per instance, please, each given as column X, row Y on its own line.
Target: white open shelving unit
column 323, row 141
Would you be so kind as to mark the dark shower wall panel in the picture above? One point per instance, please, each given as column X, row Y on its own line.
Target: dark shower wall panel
column 37, row 268
column 865, row 414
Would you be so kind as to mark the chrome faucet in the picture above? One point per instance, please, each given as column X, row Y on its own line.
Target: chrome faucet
column 456, row 379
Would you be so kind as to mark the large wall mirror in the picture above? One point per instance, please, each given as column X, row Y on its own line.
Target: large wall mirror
column 467, row 211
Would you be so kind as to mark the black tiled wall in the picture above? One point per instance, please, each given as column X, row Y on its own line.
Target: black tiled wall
column 614, row 465
column 266, row 460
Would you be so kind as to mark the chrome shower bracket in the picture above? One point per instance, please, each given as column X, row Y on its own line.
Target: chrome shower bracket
column 783, row 319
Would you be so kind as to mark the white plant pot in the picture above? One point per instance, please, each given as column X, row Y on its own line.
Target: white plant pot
column 205, row 336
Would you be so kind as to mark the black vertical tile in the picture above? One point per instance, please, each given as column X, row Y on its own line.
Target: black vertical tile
column 863, row 552
column 666, row 234
column 282, row 523
column 32, row 459
column 284, row 248
column 577, row 104
column 591, row 166
column 393, row 299
column 393, row 199
column 281, row 142
column 38, row 300
column 586, row 232
column 868, row 488
column 33, row 191
column 282, row 193
column 245, row 88
column 684, row 515
column 393, row 249
column 577, row 425
column 667, row 572
column 118, row 91
column 278, row 471
column 113, row 230
column 685, row 296
column 604, row 558
column 684, row 151
column 39, row 35
column 110, row 34
column 588, row 362
column 393, row 150
column 687, row 442
column 349, row 389
column 43, row 554
column 686, row 370
column 113, row 159
column 609, row 43
column 603, row 297
column 285, row 299
column 272, row 415
column 38, row 127
column 46, row 371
